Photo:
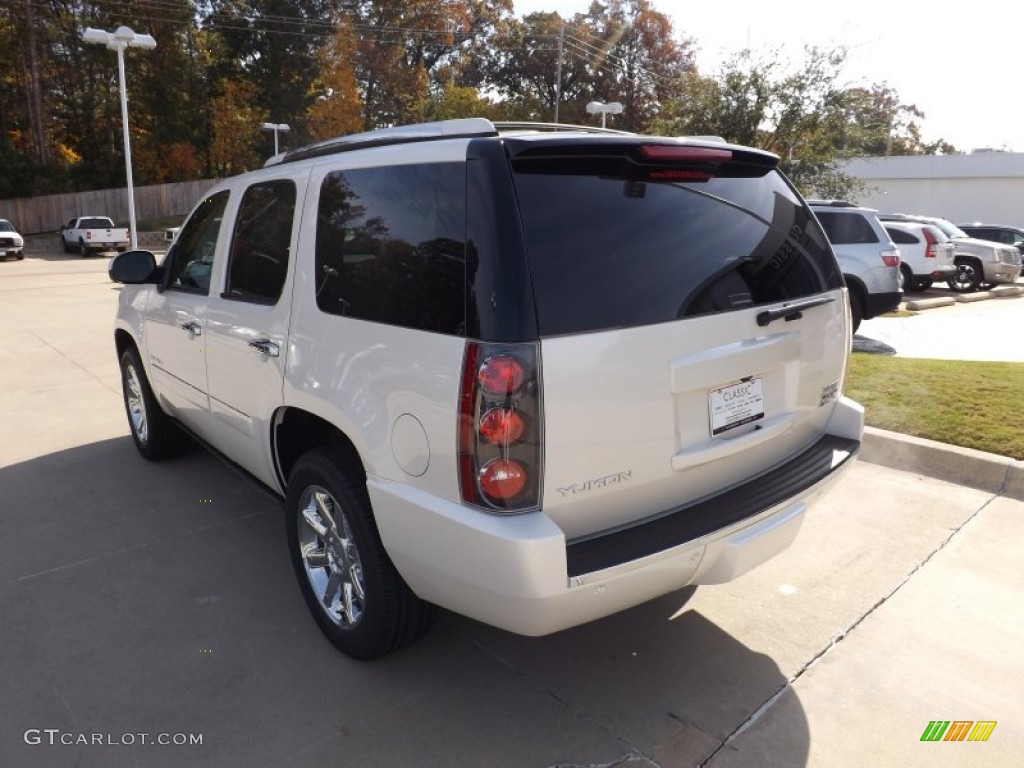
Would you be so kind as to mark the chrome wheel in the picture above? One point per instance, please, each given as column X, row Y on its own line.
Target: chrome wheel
column 330, row 557
column 136, row 404
column 967, row 277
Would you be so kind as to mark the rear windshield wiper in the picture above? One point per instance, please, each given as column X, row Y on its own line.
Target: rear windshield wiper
column 792, row 311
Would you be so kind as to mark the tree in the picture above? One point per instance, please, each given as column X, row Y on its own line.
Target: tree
column 236, row 128
column 802, row 113
column 336, row 107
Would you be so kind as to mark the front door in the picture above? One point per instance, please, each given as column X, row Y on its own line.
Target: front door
column 175, row 326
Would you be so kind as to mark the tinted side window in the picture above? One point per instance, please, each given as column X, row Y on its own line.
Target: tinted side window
column 391, row 246
column 846, row 228
column 261, row 242
column 191, row 256
column 898, row 236
column 982, row 233
column 608, row 252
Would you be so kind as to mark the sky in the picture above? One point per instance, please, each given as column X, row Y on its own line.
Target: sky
column 962, row 69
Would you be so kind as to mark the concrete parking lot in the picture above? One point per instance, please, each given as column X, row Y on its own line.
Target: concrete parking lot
column 157, row 599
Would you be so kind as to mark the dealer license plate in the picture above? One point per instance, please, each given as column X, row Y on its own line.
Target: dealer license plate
column 736, row 404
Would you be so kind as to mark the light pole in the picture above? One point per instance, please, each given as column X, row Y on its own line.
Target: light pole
column 599, row 107
column 276, row 128
column 118, row 40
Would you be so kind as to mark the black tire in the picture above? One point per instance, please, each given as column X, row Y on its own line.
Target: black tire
column 21, row 256
column 907, row 282
column 64, row 245
column 856, row 309
column 968, row 276
column 83, row 249
column 338, row 556
column 155, row 435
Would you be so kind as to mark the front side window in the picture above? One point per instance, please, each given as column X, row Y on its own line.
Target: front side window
column 261, row 242
column 190, row 260
column 391, row 246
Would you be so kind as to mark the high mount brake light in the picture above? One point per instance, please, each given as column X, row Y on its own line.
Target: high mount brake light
column 499, row 427
column 685, row 153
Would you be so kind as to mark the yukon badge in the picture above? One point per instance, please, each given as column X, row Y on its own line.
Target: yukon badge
column 616, row 478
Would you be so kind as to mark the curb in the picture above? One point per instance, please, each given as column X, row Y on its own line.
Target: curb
column 964, row 466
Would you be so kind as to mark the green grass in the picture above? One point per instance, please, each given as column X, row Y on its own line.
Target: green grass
column 970, row 404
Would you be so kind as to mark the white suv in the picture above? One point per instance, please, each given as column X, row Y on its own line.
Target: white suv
column 535, row 378
column 926, row 254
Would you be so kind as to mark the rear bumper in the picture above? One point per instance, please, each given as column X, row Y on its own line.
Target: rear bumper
column 519, row 572
column 880, row 303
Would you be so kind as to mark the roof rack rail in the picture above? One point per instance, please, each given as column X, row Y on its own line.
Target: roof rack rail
column 470, row 127
column 833, row 203
column 509, row 125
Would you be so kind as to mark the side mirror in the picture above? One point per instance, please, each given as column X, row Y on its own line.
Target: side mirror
column 133, row 268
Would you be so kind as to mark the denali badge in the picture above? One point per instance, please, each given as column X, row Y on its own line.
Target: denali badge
column 829, row 393
column 597, row 482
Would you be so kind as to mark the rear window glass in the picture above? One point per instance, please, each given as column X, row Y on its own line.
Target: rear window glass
column 608, row 252
column 847, row 228
column 900, row 237
column 95, row 224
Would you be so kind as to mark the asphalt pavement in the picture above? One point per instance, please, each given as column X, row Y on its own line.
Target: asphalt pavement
column 157, row 599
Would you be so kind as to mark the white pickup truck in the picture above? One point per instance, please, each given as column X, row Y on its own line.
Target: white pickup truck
column 87, row 234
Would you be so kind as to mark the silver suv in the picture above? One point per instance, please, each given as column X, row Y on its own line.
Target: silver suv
column 869, row 259
column 532, row 377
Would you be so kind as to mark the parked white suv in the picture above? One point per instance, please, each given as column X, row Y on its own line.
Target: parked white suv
column 926, row 254
column 535, row 378
column 867, row 256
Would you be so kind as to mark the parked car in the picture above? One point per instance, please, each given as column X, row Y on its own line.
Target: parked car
column 996, row 233
column 869, row 259
column 93, row 234
column 11, row 243
column 535, row 378
column 926, row 254
column 977, row 261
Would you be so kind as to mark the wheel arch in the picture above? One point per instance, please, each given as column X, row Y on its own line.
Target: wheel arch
column 856, row 285
column 297, row 431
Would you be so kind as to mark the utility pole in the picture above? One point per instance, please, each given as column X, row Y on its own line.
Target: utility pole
column 558, row 71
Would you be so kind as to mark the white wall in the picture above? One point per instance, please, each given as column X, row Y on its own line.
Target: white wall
column 986, row 187
column 993, row 201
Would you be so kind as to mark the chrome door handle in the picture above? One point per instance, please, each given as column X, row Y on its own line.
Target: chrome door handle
column 266, row 347
column 192, row 327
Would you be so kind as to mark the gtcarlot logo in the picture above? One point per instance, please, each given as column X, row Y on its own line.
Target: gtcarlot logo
column 57, row 737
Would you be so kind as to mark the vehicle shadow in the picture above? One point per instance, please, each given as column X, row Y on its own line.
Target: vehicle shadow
column 144, row 598
column 871, row 346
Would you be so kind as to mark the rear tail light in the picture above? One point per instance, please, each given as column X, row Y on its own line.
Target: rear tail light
column 88, row 234
column 891, row 257
column 500, row 421
column 931, row 251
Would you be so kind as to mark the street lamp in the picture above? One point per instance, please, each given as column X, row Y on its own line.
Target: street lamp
column 599, row 107
column 118, row 40
column 276, row 128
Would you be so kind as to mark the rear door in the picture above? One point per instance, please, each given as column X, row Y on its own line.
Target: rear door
column 247, row 323
column 671, row 371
